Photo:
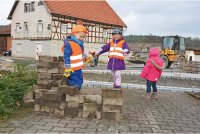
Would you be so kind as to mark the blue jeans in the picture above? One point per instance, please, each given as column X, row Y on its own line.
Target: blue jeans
column 75, row 79
column 151, row 84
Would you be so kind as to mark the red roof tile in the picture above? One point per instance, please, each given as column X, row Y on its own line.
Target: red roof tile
column 95, row 10
column 5, row 29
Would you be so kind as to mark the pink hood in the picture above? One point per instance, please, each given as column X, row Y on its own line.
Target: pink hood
column 150, row 72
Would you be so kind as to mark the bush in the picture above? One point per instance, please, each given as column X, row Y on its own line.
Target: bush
column 13, row 86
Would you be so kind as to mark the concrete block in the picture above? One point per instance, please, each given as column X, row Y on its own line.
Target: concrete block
column 42, row 82
column 72, row 98
column 40, row 101
column 53, row 96
column 41, row 64
column 47, row 58
column 61, row 70
column 42, row 76
column 112, row 108
column 57, row 77
column 35, row 87
column 112, row 116
column 52, row 83
column 60, row 58
column 70, row 90
column 112, row 93
column 52, row 111
column 53, row 70
column 93, row 99
column 91, row 114
column 46, row 109
column 54, row 89
column 81, row 99
column 62, row 105
column 59, row 112
column 72, row 104
column 42, row 86
column 89, row 107
column 28, row 96
column 42, row 69
column 59, row 82
column 53, row 104
column 37, row 108
column 54, row 64
column 39, row 92
column 29, row 104
column 80, row 112
column 42, row 108
column 113, row 101
column 71, row 112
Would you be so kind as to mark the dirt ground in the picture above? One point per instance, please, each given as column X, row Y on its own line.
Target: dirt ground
column 138, row 80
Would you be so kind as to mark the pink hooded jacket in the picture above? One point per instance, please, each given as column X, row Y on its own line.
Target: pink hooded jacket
column 150, row 72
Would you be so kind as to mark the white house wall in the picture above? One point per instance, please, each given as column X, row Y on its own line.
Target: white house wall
column 27, row 48
column 197, row 58
column 40, row 13
column 94, row 47
column 194, row 57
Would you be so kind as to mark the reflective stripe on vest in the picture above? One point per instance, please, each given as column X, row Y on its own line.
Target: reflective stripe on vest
column 116, row 51
column 76, row 59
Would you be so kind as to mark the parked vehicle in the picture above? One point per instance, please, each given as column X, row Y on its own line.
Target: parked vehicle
column 173, row 49
column 7, row 53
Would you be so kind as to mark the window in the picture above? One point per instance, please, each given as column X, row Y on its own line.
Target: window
column 32, row 6
column 40, row 3
column 29, row 7
column 64, row 28
column 105, row 33
column 19, row 48
column 40, row 26
column 25, row 27
column 17, row 28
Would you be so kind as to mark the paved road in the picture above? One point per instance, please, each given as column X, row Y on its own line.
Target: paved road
column 128, row 67
column 171, row 113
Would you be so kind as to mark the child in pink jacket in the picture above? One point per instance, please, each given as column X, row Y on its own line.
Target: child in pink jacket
column 152, row 71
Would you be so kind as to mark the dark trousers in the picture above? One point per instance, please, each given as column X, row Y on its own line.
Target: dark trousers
column 75, row 79
column 151, row 84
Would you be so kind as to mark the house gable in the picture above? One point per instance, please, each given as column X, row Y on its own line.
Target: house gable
column 30, row 23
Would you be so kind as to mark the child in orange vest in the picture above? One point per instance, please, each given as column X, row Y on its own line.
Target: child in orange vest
column 73, row 56
column 117, row 49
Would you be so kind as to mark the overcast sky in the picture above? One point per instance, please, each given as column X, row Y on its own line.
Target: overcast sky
column 144, row 17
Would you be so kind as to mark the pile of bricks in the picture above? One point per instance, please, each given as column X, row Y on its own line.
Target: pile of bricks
column 191, row 67
column 54, row 97
column 50, row 77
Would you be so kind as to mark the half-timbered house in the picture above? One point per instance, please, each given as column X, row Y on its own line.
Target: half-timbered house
column 45, row 24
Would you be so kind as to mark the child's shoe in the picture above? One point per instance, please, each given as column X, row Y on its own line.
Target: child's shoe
column 148, row 96
column 116, row 86
column 154, row 95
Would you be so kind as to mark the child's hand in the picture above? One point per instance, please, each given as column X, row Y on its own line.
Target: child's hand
column 125, row 54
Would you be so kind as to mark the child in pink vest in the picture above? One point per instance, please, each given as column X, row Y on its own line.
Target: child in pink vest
column 152, row 71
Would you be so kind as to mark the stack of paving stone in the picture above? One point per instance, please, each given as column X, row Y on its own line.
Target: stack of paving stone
column 112, row 104
column 54, row 97
column 92, row 106
column 50, row 77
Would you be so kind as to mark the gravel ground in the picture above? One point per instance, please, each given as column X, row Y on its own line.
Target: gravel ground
column 138, row 80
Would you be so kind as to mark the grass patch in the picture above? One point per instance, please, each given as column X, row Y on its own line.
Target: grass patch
column 13, row 86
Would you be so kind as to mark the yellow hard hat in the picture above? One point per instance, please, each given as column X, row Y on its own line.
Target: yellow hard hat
column 79, row 28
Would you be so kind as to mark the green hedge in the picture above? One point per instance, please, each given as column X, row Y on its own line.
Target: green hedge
column 13, row 86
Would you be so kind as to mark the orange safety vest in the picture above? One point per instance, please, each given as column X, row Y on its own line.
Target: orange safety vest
column 116, row 51
column 76, row 59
